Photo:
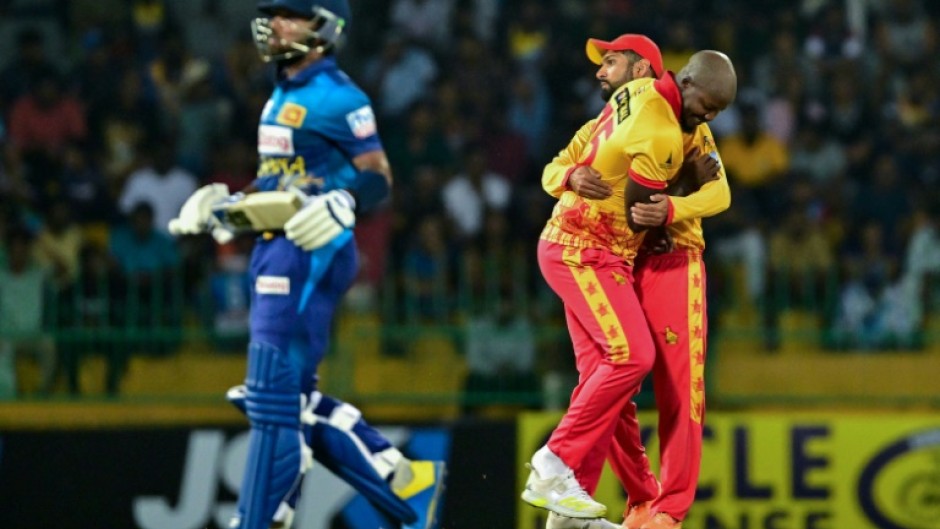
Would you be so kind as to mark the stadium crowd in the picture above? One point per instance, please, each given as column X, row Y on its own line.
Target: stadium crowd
column 112, row 112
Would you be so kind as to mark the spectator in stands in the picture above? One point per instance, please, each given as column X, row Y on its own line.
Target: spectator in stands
column 469, row 194
column 868, row 315
column 23, row 72
column 507, row 150
column 800, row 265
column 422, row 142
column 481, row 69
column 426, row 22
column 231, row 288
column 816, row 154
column 678, row 45
column 922, row 262
column 22, row 305
column 399, row 76
column 905, row 34
column 85, row 187
column 57, row 246
column 783, row 61
column 128, row 127
column 530, row 113
column 415, row 203
column 426, row 269
column 831, row 40
column 529, row 36
column 885, row 199
column 851, row 120
column 139, row 248
column 784, row 106
column 151, row 20
column 149, row 259
column 43, row 122
column 170, row 72
column 233, row 163
column 204, row 118
column 500, row 349
column 160, row 183
column 97, row 77
column 755, row 163
column 89, row 313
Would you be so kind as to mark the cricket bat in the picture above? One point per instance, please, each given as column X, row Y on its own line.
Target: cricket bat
column 261, row 211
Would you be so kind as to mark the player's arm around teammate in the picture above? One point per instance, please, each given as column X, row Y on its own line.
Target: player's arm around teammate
column 586, row 253
column 671, row 290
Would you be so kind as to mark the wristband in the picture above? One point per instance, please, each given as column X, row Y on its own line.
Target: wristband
column 370, row 188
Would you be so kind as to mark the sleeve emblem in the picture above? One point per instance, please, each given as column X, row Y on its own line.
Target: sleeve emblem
column 362, row 122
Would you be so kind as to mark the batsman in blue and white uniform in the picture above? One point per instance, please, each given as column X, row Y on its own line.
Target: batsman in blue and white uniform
column 317, row 141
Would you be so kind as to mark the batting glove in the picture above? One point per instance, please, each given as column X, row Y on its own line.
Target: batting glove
column 196, row 214
column 323, row 219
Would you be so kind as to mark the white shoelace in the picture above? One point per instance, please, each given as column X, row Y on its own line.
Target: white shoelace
column 575, row 489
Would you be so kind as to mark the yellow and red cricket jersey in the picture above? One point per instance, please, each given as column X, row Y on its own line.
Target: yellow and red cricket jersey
column 685, row 213
column 636, row 140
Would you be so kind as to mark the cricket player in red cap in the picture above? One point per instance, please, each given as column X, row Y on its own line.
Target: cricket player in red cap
column 586, row 253
column 671, row 289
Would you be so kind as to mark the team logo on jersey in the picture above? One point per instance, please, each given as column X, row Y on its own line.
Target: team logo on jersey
column 671, row 337
column 277, row 285
column 361, row 122
column 622, row 100
column 292, row 115
column 273, row 139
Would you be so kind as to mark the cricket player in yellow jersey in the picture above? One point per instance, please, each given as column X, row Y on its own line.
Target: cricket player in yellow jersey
column 586, row 253
column 671, row 290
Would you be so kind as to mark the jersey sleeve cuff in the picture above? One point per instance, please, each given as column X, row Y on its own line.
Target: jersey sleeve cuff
column 647, row 182
column 671, row 212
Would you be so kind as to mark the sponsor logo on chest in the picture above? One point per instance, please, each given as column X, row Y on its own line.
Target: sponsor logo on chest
column 276, row 140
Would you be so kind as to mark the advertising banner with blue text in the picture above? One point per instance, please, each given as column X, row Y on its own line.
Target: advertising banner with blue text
column 777, row 470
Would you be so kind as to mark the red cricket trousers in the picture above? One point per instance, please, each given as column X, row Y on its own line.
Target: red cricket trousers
column 612, row 345
column 671, row 290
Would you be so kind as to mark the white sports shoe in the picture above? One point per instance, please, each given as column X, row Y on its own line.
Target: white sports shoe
column 561, row 494
column 557, row 521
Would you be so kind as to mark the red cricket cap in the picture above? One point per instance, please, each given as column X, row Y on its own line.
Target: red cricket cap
column 639, row 44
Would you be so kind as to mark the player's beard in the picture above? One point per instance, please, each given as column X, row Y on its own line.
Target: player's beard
column 686, row 125
column 608, row 89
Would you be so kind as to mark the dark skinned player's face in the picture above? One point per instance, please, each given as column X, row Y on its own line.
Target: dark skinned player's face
column 698, row 106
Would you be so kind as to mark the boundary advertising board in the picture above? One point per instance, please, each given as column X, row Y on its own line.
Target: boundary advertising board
column 791, row 471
